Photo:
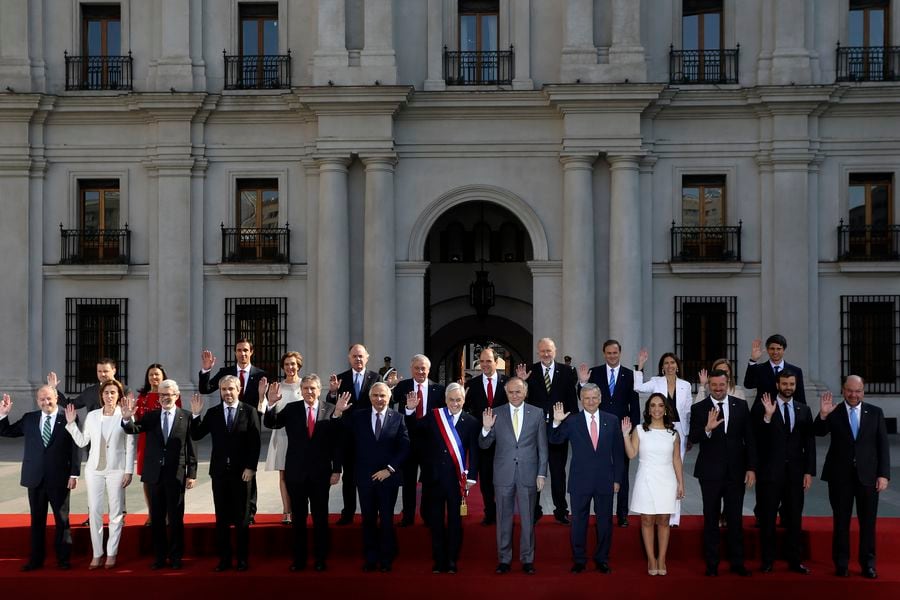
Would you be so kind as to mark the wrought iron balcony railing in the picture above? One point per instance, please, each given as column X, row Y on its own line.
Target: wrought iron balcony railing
column 98, row 72
column 258, row 244
column 703, row 66
column 706, row 244
column 268, row 71
column 868, row 242
column 482, row 67
column 95, row 246
column 868, row 63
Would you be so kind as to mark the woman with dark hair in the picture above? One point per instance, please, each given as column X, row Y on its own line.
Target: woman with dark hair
column 658, row 483
column 148, row 399
column 677, row 393
column 291, row 363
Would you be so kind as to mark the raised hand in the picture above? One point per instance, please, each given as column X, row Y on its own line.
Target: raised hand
column 207, row 360
column 412, row 401
column 769, row 405
column 713, row 421
column 335, row 479
column 196, row 404
column 521, row 373
column 343, row 403
column 488, row 418
column 334, row 384
column 261, row 388
column 584, row 373
column 52, row 379
column 643, row 355
column 128, row 407
column 273, row 395
column 5, row 405
column 703, row 377
column 559, row 413
column 71, row 415
column 826, row 405
column 756, row 350
column 626, row 426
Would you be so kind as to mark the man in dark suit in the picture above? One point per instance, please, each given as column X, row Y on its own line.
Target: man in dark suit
column 50, row 469
column 549, row 383
column 761, row 376
column 596, row 472
column 447, row 440
column 857, row 467
column 417, row 396
column 722, row 429
column 356, row 381
column 170, row 467
column 786, row 464
column 382, row 444
column 617, row 396
column 312, row 464
column 247, row 374
column 487, row 390
column 234, row 428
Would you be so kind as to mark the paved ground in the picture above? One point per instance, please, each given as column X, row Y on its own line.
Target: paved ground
column 199, row 500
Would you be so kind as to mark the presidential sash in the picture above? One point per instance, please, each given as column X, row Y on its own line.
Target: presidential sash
column 454, row 445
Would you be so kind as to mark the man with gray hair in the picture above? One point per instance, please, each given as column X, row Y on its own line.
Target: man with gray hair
column 170, row 467
column 415, row 398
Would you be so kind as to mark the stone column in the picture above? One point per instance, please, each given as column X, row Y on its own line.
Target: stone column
column 547, row 286
column 311, row 352
column 625, row 253
column 379, row 317
column 578, row 295
column 435, row 47
column 578, row 33
column 173, row 68
column 15, row 63
column 521, row 26
column 379, row 41
column 410, row 278
column 333, row 279
column 330, row 57
column 790, row 60
column 626, row 48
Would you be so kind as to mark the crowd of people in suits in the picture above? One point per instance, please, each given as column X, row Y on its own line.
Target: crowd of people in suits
column 378, row 433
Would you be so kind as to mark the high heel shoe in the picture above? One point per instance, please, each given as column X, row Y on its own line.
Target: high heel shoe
column 96, row 563
column 286, row 519
column 110, row 562
column 651, row 572
column 662, row 571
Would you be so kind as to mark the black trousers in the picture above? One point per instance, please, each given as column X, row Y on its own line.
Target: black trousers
column 581, row 512
column 731, row 492
column 411, row 469
column 309, row 495
column 349, row 486
column 842, row 495
column 376, row 501
column 624, row 488
column 789, row 495
column 232, row 500
column 486, row 481
column 441, row 505
column 58, row 499
column 167, row 502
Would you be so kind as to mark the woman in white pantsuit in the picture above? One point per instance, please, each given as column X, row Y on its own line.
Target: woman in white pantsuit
column 109, row 467
column 678, row 396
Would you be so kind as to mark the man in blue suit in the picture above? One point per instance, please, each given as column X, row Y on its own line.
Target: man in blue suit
column 617, row 396
column 50, row 468
column 595, row 473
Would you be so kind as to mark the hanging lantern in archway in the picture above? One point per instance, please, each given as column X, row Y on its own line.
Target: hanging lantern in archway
column 481, row 294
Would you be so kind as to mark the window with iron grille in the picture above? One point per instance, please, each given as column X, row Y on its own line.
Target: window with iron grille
column 263, row 321
column 95, row 328
column 870, row 341
column 705, row 330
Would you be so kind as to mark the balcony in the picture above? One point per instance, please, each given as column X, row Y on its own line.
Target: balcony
column 868, row 242
column 261, row 72
column 706, row 244
column 263, row 245
column 95, row 247
column 868, row 63
column 718, row 66
column 481, row 67
column 98, row 72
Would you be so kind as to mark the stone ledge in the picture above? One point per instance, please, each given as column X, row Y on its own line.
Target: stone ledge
column 700, row 269
column 254, row 271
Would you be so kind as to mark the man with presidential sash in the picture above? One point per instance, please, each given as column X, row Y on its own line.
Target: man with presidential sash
column 450, row 467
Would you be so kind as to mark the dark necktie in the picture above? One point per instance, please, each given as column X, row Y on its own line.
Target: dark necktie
column 377, row 425
column 420, row 408
column 787, row 417
column 229, row 418
column 243, row 378
column 721, row 404
column 165, row 424
column 46, row 430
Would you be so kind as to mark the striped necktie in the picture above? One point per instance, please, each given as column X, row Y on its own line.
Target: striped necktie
column 547, row 378
column 46, row 429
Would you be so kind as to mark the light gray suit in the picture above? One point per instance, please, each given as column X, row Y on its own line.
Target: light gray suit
column 517, row 465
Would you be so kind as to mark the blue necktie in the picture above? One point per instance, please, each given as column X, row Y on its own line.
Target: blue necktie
column 358, row 385
column 230, row 418
column 854, row 423
column 612, row 382
column 165, row 424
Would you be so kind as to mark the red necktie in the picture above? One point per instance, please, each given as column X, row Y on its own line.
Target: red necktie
column 595, row 435
column 490, row 393
column 310, row 421
column 243, row 383
column 420, row 410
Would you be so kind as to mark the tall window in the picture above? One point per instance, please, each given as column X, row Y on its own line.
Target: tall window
column 869, row 23
column 263, row 321
column 98, row 220
column 259, row 29
column 705, row 330
column 101, row 33
column 703, row 200
column 869, row 199
column 257, row 210
column 870, row 341
column 701, row 40
column 95, row 328
column 478, row 33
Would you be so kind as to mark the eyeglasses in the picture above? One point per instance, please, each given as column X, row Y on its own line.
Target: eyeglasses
column 164, row 395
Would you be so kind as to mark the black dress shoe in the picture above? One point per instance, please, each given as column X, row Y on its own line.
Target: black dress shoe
column 623, row 522
column 63, row 565
column 869, row 573
column 561, row 517
column 175, row 564
column 406, row 521
column 766, row 567
column 712, row 572
column 159, row 564
column 297, row 566
column 344, row 520
column 452, row 568
column 369, row 567
column 30, row 566
column 242, row 565
column 604, row 568
column 502, row 568
column 799, row 568
column 222, row 566
column 577, row 568
column 841, row 572
column 385, row 568
column 741, row 571
column 528, row 568
column 319, row 566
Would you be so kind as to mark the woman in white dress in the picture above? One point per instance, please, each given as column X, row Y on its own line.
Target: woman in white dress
column 109, row 468
column 658, row 483
column 291, row 363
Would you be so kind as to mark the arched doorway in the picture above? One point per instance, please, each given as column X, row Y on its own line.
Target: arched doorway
column 465, row 312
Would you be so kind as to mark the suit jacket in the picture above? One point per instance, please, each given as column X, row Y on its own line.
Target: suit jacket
column 866, row 458
column 391, row 447
column 777, row 448
column 435, row 395
column 592, row 471
column 563, row 388
column 235, row 450
column 313, row 458
column 518, row 462
column 476, row 398
column 250, row 393
column 51, row 466
column 625, row 402
column 172, row 459
column 683, row 400
column 362, row 402
column 762, row 377
column 723, row 455
column 119, row 445
column 439, row 467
